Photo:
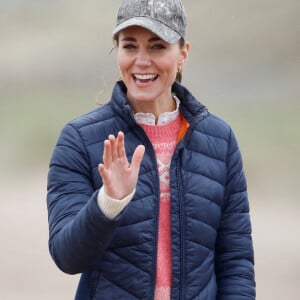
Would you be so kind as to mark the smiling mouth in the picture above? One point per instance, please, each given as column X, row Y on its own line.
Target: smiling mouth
column 144, row 78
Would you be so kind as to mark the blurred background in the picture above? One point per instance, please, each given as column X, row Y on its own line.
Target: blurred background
column 55, row 65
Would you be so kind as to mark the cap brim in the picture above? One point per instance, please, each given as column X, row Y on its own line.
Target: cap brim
column 161, row 30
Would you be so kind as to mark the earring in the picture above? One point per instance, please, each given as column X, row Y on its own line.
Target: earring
column 179, row 72
column 179, row 67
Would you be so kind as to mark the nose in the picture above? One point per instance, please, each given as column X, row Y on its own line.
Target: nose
column 143, row 58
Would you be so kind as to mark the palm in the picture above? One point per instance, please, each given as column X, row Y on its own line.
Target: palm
column 118, row 176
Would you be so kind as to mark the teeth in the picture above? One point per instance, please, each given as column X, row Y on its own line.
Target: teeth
column 145, row 76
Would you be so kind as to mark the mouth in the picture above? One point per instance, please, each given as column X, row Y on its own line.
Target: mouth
column 144, row 78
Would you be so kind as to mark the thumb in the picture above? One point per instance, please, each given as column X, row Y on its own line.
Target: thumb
column 137, row 158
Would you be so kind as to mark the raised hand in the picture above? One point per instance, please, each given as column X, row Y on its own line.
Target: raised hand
column 118, row 176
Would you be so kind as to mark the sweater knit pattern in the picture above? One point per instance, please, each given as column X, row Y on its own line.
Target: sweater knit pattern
column 163, row 139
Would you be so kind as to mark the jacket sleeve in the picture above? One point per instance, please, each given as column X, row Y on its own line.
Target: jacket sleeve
column 78, row 230
column 234, row 250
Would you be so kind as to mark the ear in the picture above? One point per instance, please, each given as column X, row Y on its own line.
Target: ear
column 184, row 52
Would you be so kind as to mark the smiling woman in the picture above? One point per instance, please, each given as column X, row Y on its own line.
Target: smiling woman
column 147, row 195
column 148, row 66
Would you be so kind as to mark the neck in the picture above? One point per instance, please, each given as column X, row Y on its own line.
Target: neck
column 154, row 108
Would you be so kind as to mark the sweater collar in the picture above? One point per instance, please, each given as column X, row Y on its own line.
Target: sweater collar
column 165, row 118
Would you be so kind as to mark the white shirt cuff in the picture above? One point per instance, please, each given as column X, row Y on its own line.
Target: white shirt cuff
column 112, row 207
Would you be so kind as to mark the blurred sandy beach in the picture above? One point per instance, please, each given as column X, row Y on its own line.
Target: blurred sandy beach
column 54, row 65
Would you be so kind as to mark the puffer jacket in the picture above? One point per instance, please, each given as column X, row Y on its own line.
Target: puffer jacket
column 212, row 254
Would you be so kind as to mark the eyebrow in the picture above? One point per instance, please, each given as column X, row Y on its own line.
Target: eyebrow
column 132, row 39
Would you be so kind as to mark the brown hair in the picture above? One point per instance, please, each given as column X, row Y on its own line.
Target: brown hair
column 179, row 71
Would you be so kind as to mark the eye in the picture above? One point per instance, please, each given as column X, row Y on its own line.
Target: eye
column 129, row 46
column 158, row 47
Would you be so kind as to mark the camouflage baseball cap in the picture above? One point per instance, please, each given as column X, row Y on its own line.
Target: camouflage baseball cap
column 165, row 18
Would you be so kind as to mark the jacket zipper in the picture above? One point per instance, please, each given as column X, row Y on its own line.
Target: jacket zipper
column 144, row 138
column 181, row 209
column 148, row 145
column 156, row 233
column 181, row 231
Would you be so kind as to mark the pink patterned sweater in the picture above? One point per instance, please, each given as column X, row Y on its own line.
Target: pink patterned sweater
column 164, row 138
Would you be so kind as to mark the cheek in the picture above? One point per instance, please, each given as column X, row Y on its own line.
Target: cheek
column 169, row 69
column 169, row 65
column 122, row 63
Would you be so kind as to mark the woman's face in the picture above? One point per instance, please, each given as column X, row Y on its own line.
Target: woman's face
column 148, row 67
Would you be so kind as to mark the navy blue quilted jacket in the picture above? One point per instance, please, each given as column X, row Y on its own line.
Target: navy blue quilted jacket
column 212, row 254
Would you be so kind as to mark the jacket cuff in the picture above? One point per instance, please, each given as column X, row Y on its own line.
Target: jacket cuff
column 111, row 207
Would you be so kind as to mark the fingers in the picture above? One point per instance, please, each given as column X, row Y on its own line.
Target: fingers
column 107, row 157
column 121, row 147
column 137, row 158
column 114, row 150
column 101, row 170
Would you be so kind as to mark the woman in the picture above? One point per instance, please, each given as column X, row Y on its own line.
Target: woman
column 146, row 194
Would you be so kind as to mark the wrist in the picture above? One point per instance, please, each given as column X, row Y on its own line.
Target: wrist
column 110, row 206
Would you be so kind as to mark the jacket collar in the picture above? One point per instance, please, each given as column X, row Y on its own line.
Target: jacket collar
column 190, row 107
